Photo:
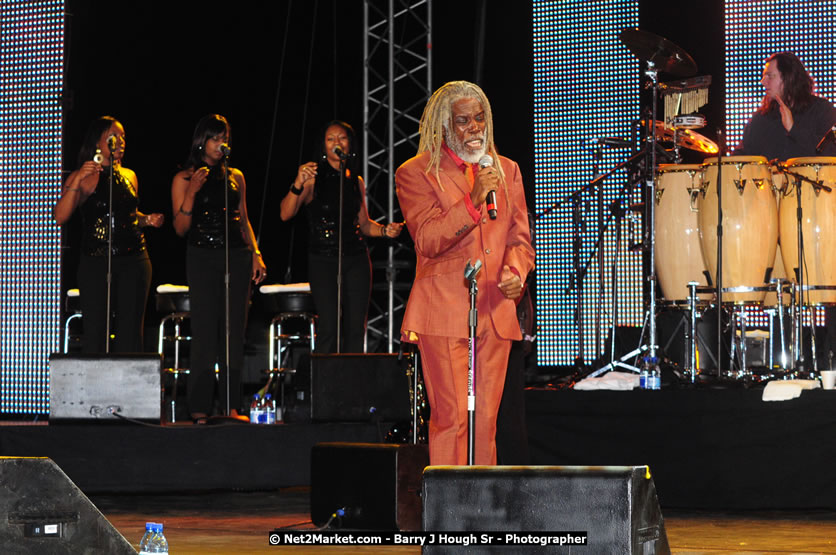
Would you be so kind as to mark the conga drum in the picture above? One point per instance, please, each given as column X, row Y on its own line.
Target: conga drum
column 818, row 226
column 750, row 224
column 678, row 251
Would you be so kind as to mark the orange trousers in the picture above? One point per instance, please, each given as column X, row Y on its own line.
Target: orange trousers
column 444, row 364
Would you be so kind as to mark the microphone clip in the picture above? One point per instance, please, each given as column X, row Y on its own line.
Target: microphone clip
column 471, row 270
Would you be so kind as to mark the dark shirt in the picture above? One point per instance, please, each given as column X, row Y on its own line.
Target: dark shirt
column 765, row 135
column 324, row 209
column 207, row 229
column 126, row 234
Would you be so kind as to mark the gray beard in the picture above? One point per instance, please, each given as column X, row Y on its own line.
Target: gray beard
column 458, row 147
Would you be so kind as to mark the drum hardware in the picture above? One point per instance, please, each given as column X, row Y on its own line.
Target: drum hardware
column 660, row 55
column 692, row 121
column 738, row 319
column 829, row 136
column 694, row 193
column 692, row 331
column 817, row 185
column 580, row 268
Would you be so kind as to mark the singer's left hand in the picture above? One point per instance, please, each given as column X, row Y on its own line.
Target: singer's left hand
column 511, row 285
column 259, row 268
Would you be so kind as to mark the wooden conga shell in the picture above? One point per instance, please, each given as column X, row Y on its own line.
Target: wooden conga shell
column 750, row 223
column 678, row 250
column 818, row 226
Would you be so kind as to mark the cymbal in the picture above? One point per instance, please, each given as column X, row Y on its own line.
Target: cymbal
column 664, row 54
column 686, row 138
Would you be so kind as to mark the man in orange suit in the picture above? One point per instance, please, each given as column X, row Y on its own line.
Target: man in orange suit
column 442, row 192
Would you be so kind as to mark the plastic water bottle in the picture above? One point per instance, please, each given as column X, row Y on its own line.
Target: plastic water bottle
column 655, row 377
column 644, row 374
column 143, row 543
column 270, row 409
column 255, row 410
column 153, row 542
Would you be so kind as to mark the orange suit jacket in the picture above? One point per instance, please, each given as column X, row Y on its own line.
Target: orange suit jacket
column 446, row 237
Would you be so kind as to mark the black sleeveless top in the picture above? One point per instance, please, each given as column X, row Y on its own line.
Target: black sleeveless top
column 323, row 214
column 127, row 235
column 207, row 229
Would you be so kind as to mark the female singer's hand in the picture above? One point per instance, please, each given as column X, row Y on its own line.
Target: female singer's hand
column 306, row 171
column 87, row 169
column 259, row 269
column 154, row 220
column 197, row 179
column 392, row 230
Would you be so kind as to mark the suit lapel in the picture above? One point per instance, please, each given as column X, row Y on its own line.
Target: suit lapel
column 452, row 171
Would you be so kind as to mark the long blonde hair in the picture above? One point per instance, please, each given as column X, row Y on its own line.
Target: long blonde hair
column 437, row 117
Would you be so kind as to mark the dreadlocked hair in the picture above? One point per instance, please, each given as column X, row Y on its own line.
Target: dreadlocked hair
column 437, row 119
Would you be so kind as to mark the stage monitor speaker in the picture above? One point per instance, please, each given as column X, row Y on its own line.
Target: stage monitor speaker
column 615, row 505
column 97, row 386
column 360, row 387
column 44, row 512
column 378, row 485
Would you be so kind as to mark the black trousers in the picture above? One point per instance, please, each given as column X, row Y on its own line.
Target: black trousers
column 357, row 277
column 130, row 281
column 511, row 427
column 205, row 270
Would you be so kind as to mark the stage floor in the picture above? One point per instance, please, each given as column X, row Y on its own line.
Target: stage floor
column 223, row 523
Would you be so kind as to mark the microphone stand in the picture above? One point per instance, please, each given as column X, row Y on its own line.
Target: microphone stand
column 578, row 276
column 580, row 270
column 109, row 249
column 227, row 284
column 719, row 276
column 470, row 272
column 340, row 256
column 599, row 301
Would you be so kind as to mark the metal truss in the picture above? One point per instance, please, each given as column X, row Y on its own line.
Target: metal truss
column 397, row 84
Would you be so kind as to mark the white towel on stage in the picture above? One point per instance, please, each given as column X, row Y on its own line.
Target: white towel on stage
column 285, row 288
column 169, row 288
column 784, row 390
column 618, row 381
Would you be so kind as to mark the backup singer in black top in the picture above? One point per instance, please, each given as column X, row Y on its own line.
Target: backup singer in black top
column 87, row 189
column 317, row 187
column 791, row 120
column 197, row 195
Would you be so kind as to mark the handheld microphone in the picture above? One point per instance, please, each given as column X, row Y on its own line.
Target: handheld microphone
column 111, row 143
column 830, row 135
column 339, row 152
column 225, row 150
column 490, row 200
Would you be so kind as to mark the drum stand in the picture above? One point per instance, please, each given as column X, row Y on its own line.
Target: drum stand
column 650, row 194
column 798, row 304
column 650, row 316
